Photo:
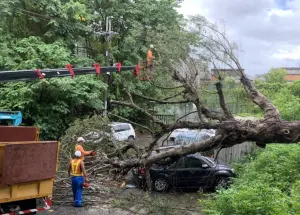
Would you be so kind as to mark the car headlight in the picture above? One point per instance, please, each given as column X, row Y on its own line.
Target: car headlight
column 232, row 170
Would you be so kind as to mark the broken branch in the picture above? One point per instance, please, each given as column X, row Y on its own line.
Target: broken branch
column 223, row 105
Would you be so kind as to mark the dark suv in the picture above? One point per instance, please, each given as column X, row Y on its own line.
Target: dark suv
column 191, row 171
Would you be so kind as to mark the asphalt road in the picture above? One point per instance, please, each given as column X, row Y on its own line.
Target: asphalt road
column 87, row 210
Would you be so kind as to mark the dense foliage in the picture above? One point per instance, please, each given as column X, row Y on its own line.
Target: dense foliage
column 268, row 180
column 267, row 185
column 50, row 34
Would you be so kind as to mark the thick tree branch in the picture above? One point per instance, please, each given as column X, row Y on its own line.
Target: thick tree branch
column 223, row 105
column 222, row 44
column 270, row 111
column 180, row 151
column 232, row 133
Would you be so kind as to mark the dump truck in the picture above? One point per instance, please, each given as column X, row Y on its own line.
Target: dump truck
column 27, row 167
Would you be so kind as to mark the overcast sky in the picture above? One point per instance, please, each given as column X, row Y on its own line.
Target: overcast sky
column 267, row 31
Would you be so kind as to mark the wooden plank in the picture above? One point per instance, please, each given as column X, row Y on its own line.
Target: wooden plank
column 29, row 162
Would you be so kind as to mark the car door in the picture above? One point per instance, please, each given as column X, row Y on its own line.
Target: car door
column 126, row 131
column 117, row 132
column 121, row 132
column 198, row 172
column 178, row 174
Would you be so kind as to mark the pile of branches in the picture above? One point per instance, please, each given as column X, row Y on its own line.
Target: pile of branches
column 101, row 174
column 98, row 171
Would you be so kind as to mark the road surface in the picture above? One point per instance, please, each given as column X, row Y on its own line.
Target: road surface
column 87, row 210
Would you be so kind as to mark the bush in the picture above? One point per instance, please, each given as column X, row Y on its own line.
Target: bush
column 295, row 198
column 268, row 185
column 82, row 127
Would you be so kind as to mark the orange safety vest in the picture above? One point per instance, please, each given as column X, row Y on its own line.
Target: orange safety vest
column 81, row 150
column 149, row 57
column 76, row 170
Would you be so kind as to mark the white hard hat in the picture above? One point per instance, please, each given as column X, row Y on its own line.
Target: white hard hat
column 151, row 46
column 80, row 139
column 78, row 154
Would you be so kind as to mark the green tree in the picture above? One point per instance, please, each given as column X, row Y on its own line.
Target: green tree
column 51, row 104
column 275, row 76
column 43, row 34
column 50, row 20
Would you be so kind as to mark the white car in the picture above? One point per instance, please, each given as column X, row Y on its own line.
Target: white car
column 122, row 131
column 174, row 133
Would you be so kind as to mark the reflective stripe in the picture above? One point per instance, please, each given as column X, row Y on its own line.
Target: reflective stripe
column 76, row 171
column 47, row 202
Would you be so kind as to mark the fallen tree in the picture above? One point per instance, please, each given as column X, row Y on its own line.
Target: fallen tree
column 213, row 48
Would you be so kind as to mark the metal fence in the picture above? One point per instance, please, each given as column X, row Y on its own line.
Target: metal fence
column 168, row 119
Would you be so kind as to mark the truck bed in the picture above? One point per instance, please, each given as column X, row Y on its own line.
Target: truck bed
column 27, row 169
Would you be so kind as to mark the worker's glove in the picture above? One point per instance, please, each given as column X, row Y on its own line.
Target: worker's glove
column 93, row 153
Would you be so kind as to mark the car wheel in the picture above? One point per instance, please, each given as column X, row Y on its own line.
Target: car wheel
column 222, row 182
column 161, row 185
column 131, row 138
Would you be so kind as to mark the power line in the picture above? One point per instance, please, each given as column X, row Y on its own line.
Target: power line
column 48, row 18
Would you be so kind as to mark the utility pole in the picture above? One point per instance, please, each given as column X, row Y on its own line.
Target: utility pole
column 108, row 33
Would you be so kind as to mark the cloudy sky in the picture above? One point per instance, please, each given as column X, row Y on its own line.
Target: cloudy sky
column 267, row 31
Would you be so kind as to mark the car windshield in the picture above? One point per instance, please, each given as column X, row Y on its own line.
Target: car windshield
column 210, row 161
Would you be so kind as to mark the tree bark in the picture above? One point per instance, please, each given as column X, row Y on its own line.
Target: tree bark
column 270, row 111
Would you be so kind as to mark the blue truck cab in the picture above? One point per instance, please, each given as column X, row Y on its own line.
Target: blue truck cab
column 12, row 118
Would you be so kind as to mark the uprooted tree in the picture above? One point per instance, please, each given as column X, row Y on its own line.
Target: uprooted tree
column 211, row 49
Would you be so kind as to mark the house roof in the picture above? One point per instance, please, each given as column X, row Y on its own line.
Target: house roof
column 292, row 70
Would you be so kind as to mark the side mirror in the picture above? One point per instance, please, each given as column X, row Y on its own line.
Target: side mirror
column 204, row 165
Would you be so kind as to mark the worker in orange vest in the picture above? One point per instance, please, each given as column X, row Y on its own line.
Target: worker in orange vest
column 79, row 147
column 150, row 57
column 76, row 169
